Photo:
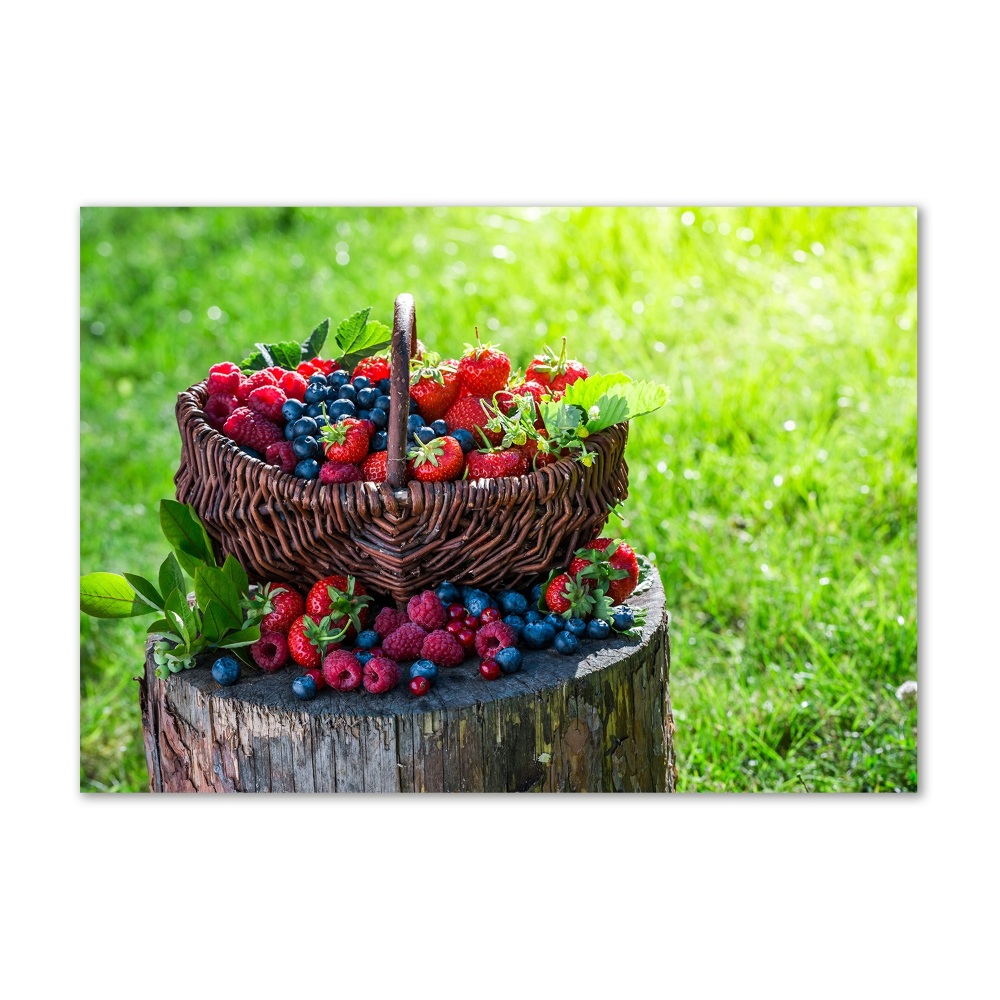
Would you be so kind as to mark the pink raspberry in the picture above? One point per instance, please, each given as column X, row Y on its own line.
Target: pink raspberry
column 494, row 636
column 270, row 651
column 339, row 472
column 341, row 670
column 269, row 400
column 219, row 408
column 281, row 454
column 293, row 385
column 223, row 379
column 381, row 675
column 442, row 648
column 277, row 372
column 426, row 609
column 253, row 429
column 405, row 642
column 388, row 620
column 255, row 381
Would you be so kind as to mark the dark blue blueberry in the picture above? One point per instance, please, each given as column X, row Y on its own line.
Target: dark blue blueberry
column 379, row 441
column 535, row 595
column 302, row 426
column 556, row 621
column 314, row 410
column 567, row 643
column 577, row 626
column 337, row 379
column 516, row 622
column 623, row 618
column 534, row 615
column 539, row 635
column 362, row 656
column 364, row 414
column 319, row 378
column 414, row 405
column 361, row 382
column 252, row 452
column 424, row 434
column 509, row 659
column 293, row 409
column 367, row 639
column 366, row 397
column 347, row 392
column 598, row 629
column 379, row 418
column 476, row 602
column 414, row 422
column 512, row 603
column 304, row 687
column 321, row 421
column 305, row 446
column 226, row 670
column 448, row 593
column 342, row 408
column 383, row 403
column 315, row 393
column 290, row 431
column 308, row 468
column 440, row 428
column 424, row 668
column 465, row 439
column 384, row 385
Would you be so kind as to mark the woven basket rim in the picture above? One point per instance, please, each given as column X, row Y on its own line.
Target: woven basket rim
column 312, row 492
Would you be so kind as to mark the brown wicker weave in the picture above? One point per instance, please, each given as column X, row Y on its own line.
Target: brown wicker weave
column 396, row 541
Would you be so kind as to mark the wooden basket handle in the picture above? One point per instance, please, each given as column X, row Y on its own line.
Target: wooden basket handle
column 404, row 346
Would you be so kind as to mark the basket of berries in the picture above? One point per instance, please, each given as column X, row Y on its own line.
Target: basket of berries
column 400, row 469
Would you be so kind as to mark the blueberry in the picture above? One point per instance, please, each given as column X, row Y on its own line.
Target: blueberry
column 567, row 643
column 414, row 405
column 303, row 426
column 379, row 441
column 290, row 431
column 414, row 422
column 384, row 385
column 321, row 421
column 304, row 687
column 535, row 595
column 476, row 602
column 347, row 392
column 315, row 393
column 623, row 618
column 424, row 668
column 226, row 670
column 361, row 382
column 252, row 452
column 314, row 410
column 509, row 659
column 308, row 468
column 366, row 397
column 556, row 621
column 512, row 603
column 383, row 403
column 439, row 427
column 305, row 447
column 363, row 414
column 577, row 626
column 448, row 593
column 424, row 434
column 534, row 616
column 337, row 379
column 516, row 622
column 292, row 409
column 318, row 378
column 367, row 639
column 362, row 656
column 465, row 439
column 342, row 408
column 379, row 418
column 539, row 635
column 598, row 629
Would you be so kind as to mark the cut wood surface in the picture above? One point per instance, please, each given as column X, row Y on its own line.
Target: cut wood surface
column 597, row 722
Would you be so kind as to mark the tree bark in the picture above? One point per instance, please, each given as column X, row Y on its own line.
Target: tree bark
column 600, row 722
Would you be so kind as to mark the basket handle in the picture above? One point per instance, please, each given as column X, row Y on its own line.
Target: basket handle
column 404, row 346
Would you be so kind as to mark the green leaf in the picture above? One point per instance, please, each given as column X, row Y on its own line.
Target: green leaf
column 611, row 410
column 245, row 637
column 265, row 351
column 237, row 574
column 217, row 621
column 312, row 347
column 212, row 584
column 186, row 534
column 108, row 595
column 171, row 575
column 357, row 338
column 145, row 590
column 352, row 329
column 178, row 611
column 254, row 362
column 160, row 626
column 616, row 397
column 645, row 397
column 587, row 391
column 286, row 354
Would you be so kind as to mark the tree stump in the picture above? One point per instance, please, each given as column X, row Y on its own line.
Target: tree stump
column 602, row 722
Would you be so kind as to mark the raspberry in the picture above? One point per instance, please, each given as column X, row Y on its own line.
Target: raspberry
column 269, row 400
column 293, row 385
column 381, row 675
column 277, row 372
column 255, row 381
column 253, row 429
column 388, row 620
column 281, row 454
column 340, row 472
column 442, row 648
column 223, row 379
column 219, row 408
column 341, row 670
column 405, row 642
column 494, row 636
column 271, row 651
column 426, row 609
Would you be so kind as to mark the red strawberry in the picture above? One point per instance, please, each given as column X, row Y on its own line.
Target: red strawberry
column 342, row 599
column 555, row 373
column 440, row 460
column 310, row 640
column 373, row 369
column 536, row 454
column 505, row 398
column 341, row 670
column 471, row 414
column 346, row 440
column 567, row 596
column 224, row 379
column 255, row 381
column 281, row 606
column 616, row 568
column 340, row 472
column 495, row 464
column 253, row 429
column 483, row 369
column 373, row 469
column 293, row 385
column 434, row 388
column 269, row 400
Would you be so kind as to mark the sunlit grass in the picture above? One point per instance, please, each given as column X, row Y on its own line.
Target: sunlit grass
column 777, row 492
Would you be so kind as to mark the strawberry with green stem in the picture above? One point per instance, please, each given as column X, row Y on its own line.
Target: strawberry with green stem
column 310, row 640
column 440, row 460
column 555, row 372
column 483, row 370
column 434, row 385
column 341, row 599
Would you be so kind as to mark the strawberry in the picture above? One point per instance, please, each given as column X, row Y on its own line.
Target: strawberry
column 434, row 387
column 483, row 369
column 325, row 366
column 495, row 464
column 310, row 640
column 341, row 599
column 373, row 369
column 555, row 373
column 506, row 398
column 616, row 568
column 571, row 597
column 347, row 440
column 280, row 605
column 472, row 414
column 373, row 469
column 438, row 461
column 537, row 453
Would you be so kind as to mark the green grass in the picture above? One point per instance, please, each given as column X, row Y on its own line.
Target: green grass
column 777, row 491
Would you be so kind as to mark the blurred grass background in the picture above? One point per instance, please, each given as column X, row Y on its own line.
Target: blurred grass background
column 777, row 492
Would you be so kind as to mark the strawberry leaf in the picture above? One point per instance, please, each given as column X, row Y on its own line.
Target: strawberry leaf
column 254, row 362
column 312, row 347
column 108, row 595
column 286, row 354
column 358, row 338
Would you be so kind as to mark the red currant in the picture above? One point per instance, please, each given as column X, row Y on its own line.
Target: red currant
column 455, row 612
column 490, row 669
column 466, row 638
column 472, row 622
column 421, row 685
column 376, row 651
column 454, row 627
column 489, row 615
column 317, row 676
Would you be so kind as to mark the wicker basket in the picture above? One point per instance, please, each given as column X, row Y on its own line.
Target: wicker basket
column 397, row 538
